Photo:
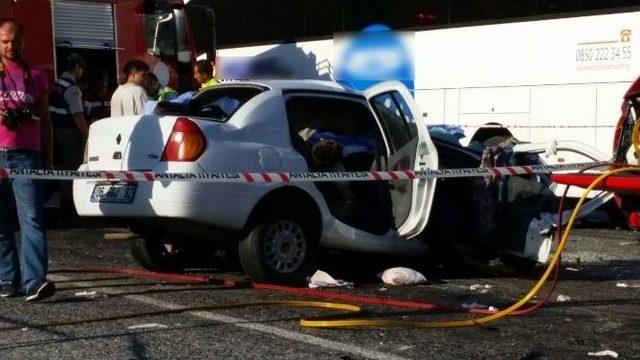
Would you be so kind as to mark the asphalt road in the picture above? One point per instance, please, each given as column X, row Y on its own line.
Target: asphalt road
column 600, row 315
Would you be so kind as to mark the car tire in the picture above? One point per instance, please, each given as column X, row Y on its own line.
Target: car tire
column 281, row 247
column 158, row 253
column 520, row 265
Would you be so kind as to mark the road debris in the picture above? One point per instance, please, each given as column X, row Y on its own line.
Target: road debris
column 87, row 294
column 563, row 298
column 625, row 285
column 400, row 276
column 483, row 289
column 475, row 305
column 147, row 326
column 571, row 269
column 611, row 353
column 321, row 279
column 406, row 347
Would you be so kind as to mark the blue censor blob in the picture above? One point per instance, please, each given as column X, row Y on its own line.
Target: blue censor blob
column 376, row 54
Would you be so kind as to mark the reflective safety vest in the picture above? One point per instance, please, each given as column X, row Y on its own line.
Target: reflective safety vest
column 58, row 107
column 167, row 94
column 211, row 82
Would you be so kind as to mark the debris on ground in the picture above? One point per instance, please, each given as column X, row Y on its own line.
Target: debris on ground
column 400, row 276
column 611, row 353
column 382, row 289
column 625, row 285
column 475, row 305
column 483, row 289
column 563, row 298
column 147, row 326
column 406, row 347
column 321, row 279
column 87, row 294
column 571, row 269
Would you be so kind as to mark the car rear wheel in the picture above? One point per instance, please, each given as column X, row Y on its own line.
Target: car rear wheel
column 280, row 247
column 158, row 253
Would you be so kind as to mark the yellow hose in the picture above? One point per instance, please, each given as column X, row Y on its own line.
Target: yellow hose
column 482, row 320
column 324, row 322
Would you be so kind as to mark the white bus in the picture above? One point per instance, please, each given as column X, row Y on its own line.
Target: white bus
column 551, row 70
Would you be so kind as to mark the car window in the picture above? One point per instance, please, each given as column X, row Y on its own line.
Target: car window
column 341, row 116
column 408, row 115
column 393, row 119
column 217, row 103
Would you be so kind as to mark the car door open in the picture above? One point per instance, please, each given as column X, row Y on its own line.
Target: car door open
column 410, row 148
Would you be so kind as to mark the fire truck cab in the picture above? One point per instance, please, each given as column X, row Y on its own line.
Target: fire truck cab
column 110, row 33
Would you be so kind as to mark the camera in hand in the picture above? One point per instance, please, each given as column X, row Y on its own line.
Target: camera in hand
column 13, row 119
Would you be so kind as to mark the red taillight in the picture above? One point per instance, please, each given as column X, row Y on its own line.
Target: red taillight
column 186, row 142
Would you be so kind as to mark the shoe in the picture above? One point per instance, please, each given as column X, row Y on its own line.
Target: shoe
column 8, row 291
column 44, row 291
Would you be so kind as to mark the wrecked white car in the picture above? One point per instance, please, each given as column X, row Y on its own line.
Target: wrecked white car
column 300, row 126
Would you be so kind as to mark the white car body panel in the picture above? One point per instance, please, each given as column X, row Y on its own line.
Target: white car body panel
column 426, row 158
column 256, row 138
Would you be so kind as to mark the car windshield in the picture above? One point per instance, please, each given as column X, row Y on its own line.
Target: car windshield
column 218, row 103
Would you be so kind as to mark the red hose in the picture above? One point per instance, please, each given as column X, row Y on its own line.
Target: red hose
column 231, row 283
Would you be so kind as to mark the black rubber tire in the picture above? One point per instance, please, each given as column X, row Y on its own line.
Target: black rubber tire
column 151, row 253
column 520, row 265
column 252, row 250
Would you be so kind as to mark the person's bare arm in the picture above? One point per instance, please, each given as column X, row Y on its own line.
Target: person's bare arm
column 46, row 132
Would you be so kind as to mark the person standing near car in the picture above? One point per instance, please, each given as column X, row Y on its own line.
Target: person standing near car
column 97, row 99
column 25, row 143
column 155, row 90
column 203, row 74
column 70, row 128
column 129, row 98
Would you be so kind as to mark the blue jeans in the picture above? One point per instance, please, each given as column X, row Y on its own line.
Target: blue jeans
column 30, row 268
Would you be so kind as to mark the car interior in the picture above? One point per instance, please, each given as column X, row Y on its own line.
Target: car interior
column 363, row 205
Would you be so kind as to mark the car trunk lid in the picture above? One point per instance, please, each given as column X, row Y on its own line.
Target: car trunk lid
column 128, row 142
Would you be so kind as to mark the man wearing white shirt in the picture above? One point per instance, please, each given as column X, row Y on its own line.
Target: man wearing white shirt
column 130, row 97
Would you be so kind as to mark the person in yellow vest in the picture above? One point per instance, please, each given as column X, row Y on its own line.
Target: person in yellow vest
column 203, row 74
column 155, row 90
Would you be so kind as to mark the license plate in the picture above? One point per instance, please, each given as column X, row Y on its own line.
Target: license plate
column 114, row 193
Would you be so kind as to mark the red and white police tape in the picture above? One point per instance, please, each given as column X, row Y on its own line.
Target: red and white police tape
column 284, row 177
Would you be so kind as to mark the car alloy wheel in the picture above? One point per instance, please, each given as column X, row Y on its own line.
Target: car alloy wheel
column 285, row 247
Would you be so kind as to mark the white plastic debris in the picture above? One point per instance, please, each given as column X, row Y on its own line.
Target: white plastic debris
column 88, row 294
column 625, row 285
column 571, row 269
column 563, row 298
column 480, row 287
column 611, row 353
column 147, row 326
column 400, row 276
column 321, row 279
column 406, row 347
column 475, row 305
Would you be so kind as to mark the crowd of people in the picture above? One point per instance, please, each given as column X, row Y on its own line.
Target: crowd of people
column 46, row 128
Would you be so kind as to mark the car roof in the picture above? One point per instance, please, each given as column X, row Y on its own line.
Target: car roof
column 304, row 85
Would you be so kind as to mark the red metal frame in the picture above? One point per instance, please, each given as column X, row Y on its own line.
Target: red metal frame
column 628, row 184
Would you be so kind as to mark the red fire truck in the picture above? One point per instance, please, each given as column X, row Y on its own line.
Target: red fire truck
column 625, row 186
column 109, row 33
